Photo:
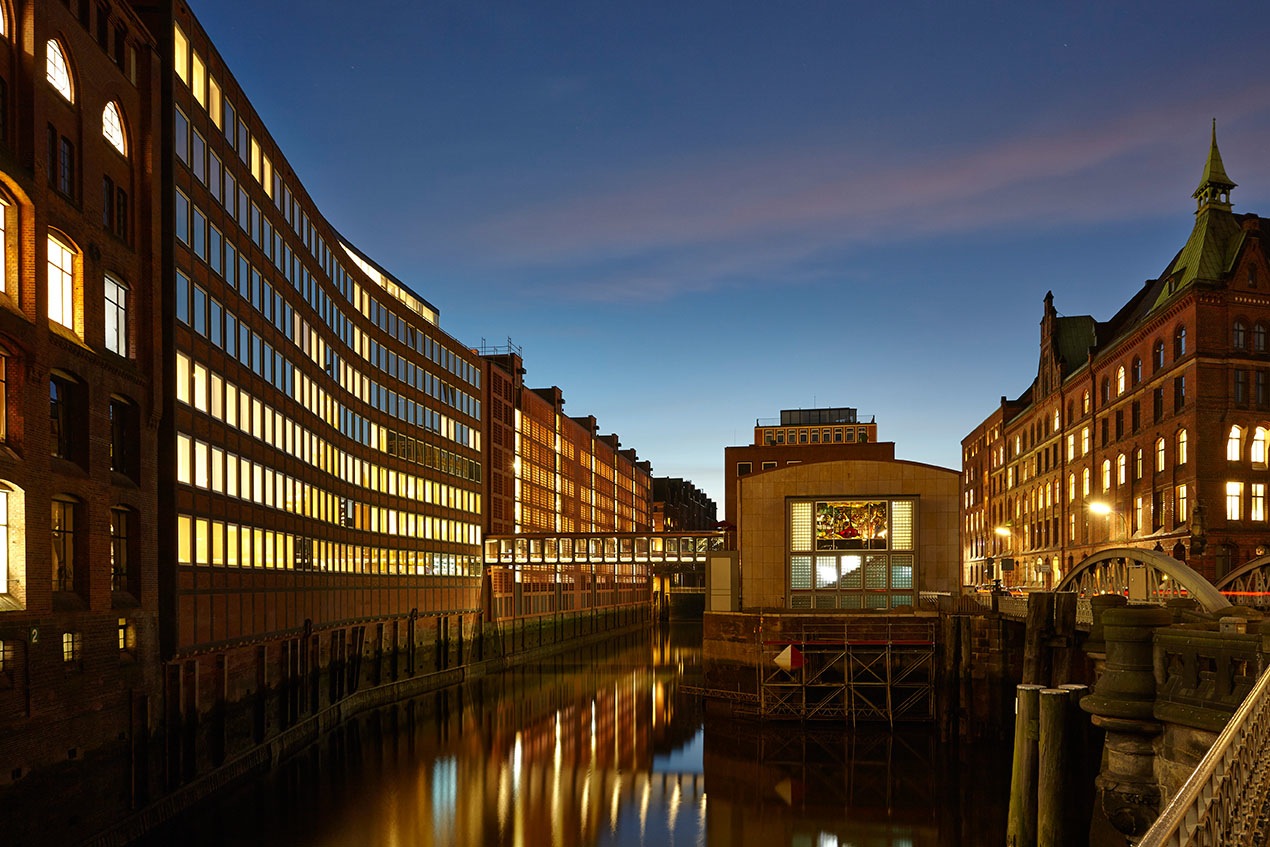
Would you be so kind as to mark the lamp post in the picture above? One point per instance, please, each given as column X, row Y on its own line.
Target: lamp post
column 1004, row 532
column 1104, row 510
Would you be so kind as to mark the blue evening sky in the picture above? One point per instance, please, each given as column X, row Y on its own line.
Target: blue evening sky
column 693, row 214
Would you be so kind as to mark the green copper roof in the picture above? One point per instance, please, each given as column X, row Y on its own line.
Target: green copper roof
column 1217, row 236
column 1214, row 171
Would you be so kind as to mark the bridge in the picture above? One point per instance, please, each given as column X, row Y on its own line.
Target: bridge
column 1226, row 799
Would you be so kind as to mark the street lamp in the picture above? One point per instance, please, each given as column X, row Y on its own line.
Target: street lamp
column 1104, row 510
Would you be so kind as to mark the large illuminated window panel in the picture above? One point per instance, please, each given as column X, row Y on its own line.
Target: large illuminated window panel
column 852, row 554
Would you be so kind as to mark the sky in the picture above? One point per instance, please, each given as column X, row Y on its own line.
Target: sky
column 691, row 215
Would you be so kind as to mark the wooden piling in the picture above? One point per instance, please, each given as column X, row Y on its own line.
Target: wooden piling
column 1039, row 626
column 1021, row 824
column 1052, row 768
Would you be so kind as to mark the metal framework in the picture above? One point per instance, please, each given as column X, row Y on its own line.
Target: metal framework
column 852, row 679
column 1248, row 584
column 1144, row 576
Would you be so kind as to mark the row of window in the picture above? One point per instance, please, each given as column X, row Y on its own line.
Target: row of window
column 836, row 435
column 212, row 394
column 213, row 543
column 72, row 644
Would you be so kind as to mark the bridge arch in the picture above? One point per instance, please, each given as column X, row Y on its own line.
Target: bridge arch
column 1147, row 576
column 1248, row 584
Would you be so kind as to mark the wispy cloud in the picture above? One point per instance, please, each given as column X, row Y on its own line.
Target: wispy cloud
column 713, row 219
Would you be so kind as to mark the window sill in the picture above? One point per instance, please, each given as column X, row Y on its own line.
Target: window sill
column 9, row 603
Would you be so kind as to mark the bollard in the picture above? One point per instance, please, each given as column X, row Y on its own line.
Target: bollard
column 1051, row 783
column 1021, row 825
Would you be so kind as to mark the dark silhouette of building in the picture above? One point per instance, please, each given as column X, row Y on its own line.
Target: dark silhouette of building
column 680, row 505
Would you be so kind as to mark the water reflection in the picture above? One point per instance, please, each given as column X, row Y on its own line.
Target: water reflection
column 594, row 748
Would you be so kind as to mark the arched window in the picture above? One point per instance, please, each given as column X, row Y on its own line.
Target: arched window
column 1084, row 404
column 1085, row 481
column 1157, row 356
column 7, row 226
column 57, row 71
column 1233, row 443
column 1071, row 486
column 1137, row 463
column 112, row 128
column 116, row 315
column 63, row 543
column 1104, row 394
column 1179, row 342
column 1257, row 448
column 1181, row 447
column 1122, row 469
column 12, row 546
column 1120, row 380
column 1159, row 455
column 1106, row 474
column 61, row 281
column 1239, row 336
column 1137, row 369
column 1259, row 337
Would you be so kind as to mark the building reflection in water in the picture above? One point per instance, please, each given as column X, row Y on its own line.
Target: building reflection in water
column 594, row 748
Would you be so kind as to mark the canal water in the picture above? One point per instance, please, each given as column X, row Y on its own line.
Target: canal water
column 600, row 746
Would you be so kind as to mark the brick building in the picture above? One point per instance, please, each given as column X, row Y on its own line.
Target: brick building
column 548, row 472
column 801, row 436
column 678, row 504
column 79, row 412
column 1157, row 417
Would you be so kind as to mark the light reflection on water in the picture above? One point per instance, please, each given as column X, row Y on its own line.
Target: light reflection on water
column 598, row 748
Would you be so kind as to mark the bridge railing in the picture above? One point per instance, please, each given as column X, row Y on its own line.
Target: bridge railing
column 1222, row 801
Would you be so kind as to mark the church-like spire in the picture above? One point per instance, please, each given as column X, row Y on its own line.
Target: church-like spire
column 1214, row 185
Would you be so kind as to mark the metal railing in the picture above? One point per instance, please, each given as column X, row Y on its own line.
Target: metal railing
column 1223, row 803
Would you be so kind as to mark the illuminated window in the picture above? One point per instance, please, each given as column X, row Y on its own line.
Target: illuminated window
column 4, row 408
column 1234, row 501
column 5, row 210
column 181, row 54
column 1233, row 443
column 198, row 78
column 1121, row 469
column 127, row 637
column 214, row 102
column 1084, row 403
column 61, row 282
column 57, row 72
column 1120, row 380
column 1071, row 446
column 116, row 316
column 72, row 646
column 63, row 545
column 1257, row 501
column 1085, row 482
column 1181, row 447
column 1084, row 441
column 1137, row 463
column 112, row 128
column 1181, row 510
column 1159, row 455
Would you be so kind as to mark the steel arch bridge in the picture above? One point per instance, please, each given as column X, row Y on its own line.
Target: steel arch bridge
column 1145, row 576
column 1248, row 584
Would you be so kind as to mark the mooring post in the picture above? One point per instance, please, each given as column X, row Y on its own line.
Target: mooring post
column 1051, row 785
column 1021, row 825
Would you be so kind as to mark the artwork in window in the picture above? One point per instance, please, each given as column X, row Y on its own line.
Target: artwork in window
column 852, row 525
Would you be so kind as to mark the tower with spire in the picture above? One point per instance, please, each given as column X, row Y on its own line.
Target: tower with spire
column 1161, row 413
